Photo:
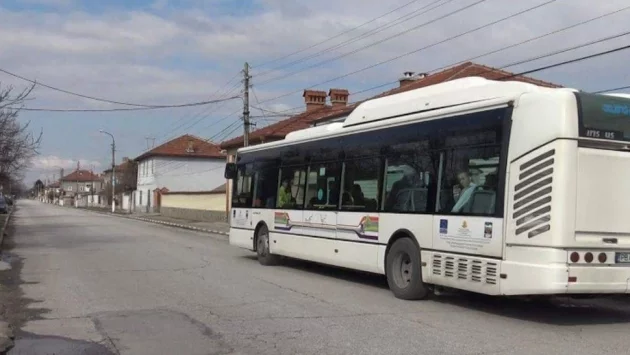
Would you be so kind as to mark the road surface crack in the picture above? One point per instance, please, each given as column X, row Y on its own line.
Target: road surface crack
column 298, row 292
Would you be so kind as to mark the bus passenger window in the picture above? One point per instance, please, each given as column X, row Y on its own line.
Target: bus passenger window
column 360, row 186
column 408, row 186
column 242, row 194
column 265, row 185
column 291, row 189
column 473, row 183
column 322, row 187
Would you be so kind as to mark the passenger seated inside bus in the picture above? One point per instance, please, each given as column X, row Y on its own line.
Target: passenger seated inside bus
column 483, row 200
column 464, row 191
column 358, row 199
column 411, row 193
column 284, row 194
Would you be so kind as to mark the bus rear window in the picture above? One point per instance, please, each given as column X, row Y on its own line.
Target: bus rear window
column 604, row 117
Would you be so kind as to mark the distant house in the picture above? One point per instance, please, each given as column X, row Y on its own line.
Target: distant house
column 125, row 180
column 81, row 184
column 318, row 112
column 53, row 192
column 184, row 164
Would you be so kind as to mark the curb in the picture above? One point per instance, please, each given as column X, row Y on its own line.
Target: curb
column 178, row 225
column 4, row 227
column 155, row 221
column 6, row 332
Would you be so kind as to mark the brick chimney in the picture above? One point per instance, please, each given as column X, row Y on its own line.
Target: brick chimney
column 409, row 77
column 190, row 148
column 338, row 97
column 314, row 99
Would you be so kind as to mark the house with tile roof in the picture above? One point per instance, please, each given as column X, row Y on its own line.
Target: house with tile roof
column 186, row 163
column 318, row 112
column 125, row 180
column 80, row 185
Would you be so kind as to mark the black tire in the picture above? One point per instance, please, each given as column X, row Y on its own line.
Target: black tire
column 404, row 271
column 262, row 248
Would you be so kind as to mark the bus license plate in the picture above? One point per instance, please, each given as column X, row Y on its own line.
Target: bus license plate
column 622, row 258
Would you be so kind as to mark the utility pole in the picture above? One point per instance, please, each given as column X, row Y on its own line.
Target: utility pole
column 76, row 194
column 113, row 169
column 246, row 106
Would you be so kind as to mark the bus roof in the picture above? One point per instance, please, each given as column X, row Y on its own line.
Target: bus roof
column 459, row 92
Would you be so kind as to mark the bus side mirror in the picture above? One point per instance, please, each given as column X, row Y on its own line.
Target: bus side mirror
column 230, row 171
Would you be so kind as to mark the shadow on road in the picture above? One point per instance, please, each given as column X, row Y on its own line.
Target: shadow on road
column 359, row 277
column 560, row 311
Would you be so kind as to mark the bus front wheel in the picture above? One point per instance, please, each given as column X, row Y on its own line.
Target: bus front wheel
column 262, row 248
column 403, row 269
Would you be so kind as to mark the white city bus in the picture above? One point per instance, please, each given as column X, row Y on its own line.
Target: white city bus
column 500, row 188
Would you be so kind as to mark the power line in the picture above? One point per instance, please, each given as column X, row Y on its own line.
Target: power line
column 198, row 118
column 372, row 32
column 225, row 136
column 383, row 40
column 126, row 109
column 203, row 114
column 335, row 36
column 264, row 116
column 278, row 113
column 415, row 51
column 599, row 54
column 34, row 82
column 222, row 119
column 532, row 39
column 203, row 111
column 589, row 43
column 613, row 89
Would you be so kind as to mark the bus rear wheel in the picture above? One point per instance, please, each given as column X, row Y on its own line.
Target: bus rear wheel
column 403, row 269
column 262, row 248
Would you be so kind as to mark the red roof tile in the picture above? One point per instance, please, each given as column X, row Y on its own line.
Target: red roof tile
column 179, row 147
column 121, row 167
column 81, row 176
column 280, row 129
column 465, row 70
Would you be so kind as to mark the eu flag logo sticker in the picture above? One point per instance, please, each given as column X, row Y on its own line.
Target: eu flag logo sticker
column 443, row 226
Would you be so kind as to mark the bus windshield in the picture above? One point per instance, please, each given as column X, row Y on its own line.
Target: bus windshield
column 604, row 116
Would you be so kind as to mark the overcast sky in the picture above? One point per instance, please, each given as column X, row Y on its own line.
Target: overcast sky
column 179, row 51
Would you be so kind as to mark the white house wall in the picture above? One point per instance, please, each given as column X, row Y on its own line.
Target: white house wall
column 177, row 174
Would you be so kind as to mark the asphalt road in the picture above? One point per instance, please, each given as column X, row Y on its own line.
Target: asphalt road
column 107, row 285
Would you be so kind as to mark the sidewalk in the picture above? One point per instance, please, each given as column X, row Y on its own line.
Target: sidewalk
column 6, row 332
column 221, row 228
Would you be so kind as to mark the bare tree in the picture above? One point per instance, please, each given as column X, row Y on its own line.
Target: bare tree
column 18, row 145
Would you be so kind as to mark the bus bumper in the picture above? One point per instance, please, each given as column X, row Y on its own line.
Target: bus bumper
column 598, row 279
column 242, row 238
column 537, row 279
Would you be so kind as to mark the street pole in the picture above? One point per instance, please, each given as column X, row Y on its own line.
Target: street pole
column 246, row 106
column 113, row 181
column 76, row 194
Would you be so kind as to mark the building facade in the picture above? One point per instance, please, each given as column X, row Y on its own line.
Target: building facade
column 81, row 182
column 187, row 163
